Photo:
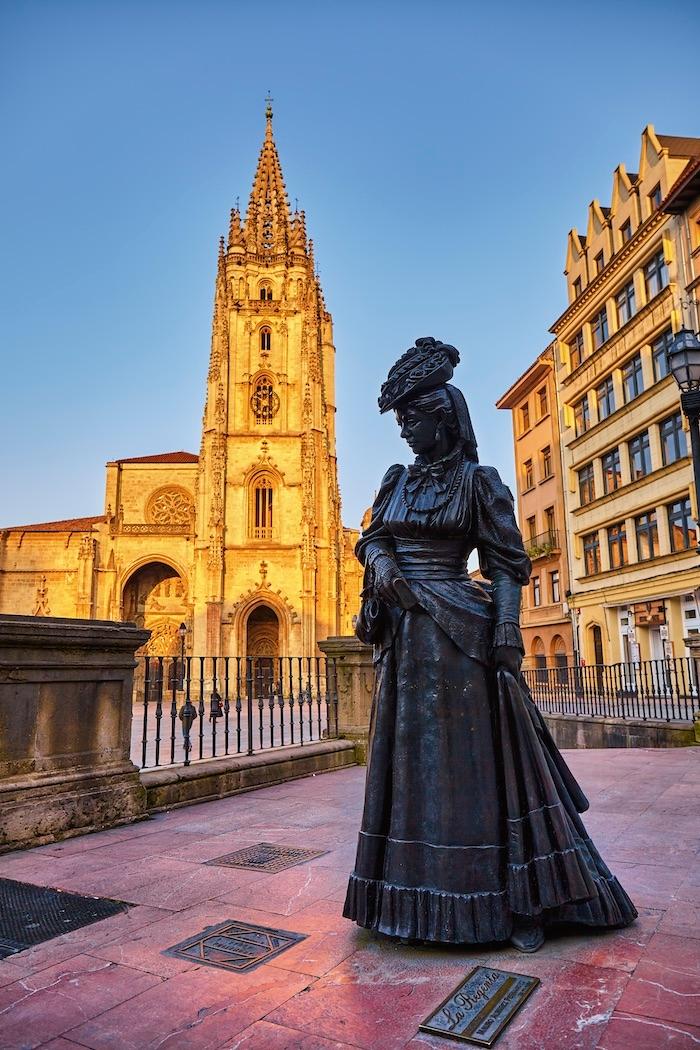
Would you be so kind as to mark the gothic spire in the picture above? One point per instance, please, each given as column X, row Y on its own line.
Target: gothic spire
column 267, row 218
column 235, row 233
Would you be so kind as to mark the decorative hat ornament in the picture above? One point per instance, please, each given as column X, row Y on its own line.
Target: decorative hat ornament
column 426, row 366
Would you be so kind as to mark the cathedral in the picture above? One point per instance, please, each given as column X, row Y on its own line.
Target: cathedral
column 242, row 543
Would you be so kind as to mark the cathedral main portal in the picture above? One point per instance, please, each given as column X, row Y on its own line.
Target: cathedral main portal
column 262, row 647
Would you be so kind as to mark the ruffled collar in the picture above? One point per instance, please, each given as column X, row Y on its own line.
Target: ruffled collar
column 430, row 485
column 422, row 468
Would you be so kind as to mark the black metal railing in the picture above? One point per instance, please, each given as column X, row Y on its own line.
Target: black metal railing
column 543, row 544
column 665, row 690
column 207, row 706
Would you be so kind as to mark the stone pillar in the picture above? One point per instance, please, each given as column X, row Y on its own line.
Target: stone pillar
column 693, row 644
column 65, row 728
column 354, row 672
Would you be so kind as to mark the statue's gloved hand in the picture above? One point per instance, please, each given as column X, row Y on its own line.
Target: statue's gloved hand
column 389, row 581
column 508, row 658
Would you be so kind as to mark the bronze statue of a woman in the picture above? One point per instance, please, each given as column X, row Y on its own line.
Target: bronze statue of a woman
column 471, row 829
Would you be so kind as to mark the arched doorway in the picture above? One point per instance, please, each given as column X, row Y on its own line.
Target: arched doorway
column 558, row 653
column 262, row 647
column 596, row 639
column 597, row 644
column 540, row 659
column 155, row 597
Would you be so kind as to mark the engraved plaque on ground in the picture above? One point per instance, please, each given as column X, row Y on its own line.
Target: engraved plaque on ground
column 479, row 1009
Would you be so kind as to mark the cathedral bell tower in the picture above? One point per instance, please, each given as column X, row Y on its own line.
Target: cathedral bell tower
column 268, row 575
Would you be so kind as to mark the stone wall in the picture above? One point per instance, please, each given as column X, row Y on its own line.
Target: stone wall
column 65, row 726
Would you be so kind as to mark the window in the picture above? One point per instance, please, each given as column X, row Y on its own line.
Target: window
column 265, row 339
column 605, row 398
column 591, row 553
column 617, row 545
column 528, row 474
column 647, row 536
column 577, row 287
column 640, row 456
column 536, row 593
column 586, row 485
column 599, row 262
column 554, row 591
column 525, row 417
column 655, row 197
column 531, row 527
column 656, row 275
column 576, row 350
column 599, row 327
column 266, row 293
column 582, row 416
column 542, row 402
column 624, row 300
column 626, row 231
column 673, row 443
column 262, row 509
column 549, row 524
column 659, row 350
column 632, row 379
column 680, row 525
column 546, row 463
column 264, row 402
column 612, row 474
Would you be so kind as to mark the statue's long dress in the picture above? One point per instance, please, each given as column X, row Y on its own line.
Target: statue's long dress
column 471, row 814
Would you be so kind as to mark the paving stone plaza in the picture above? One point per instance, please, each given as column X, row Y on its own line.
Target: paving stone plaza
column 108, row 986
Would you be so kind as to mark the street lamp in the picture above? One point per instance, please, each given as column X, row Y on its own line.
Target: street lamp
column 182, row 631
column 684, row 365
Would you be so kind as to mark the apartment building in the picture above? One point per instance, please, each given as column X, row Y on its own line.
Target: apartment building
column 545, row 620
column 634, row 569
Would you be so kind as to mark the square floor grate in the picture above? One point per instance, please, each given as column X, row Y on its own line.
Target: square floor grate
column 237, row 946
column 265, row 856
column 32, row 914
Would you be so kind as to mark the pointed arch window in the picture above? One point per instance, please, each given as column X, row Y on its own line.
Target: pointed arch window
column 265, row 401
column 261, row 510
column 265, row 293
column 265, row 339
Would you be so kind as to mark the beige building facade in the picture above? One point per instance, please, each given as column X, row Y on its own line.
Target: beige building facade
column 243, row 543
column 545, row 619
column 629, row 504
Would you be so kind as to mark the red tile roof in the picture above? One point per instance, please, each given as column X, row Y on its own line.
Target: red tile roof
column 67, row 525
column 163, row 457
column 680, row 146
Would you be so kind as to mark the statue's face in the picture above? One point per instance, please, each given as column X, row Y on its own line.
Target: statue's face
column 418, row 430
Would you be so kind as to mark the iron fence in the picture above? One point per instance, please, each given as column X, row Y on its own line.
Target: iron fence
column 207, row 707
column 665, row 690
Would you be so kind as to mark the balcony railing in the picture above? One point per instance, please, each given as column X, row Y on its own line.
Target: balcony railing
column 542, row 545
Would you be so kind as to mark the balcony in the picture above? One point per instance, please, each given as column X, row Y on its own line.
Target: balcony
column 542, row 545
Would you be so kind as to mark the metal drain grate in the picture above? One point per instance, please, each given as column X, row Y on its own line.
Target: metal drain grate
column 265, row 856
column 237, row 946
column 32, row 914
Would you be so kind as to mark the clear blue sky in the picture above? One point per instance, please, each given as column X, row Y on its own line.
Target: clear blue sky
column 441, row 151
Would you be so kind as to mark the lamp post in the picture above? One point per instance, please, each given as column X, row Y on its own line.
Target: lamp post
column 182, row 631
column 684, row 365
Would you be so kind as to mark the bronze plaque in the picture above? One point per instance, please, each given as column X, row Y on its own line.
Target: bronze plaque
column 480, row 1007
column 237, row 946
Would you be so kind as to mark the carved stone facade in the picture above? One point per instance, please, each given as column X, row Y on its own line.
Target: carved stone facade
column 244, row 542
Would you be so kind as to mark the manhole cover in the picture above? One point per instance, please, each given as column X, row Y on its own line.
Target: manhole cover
column 265, row 856
column 33, row 914
column 236, row 946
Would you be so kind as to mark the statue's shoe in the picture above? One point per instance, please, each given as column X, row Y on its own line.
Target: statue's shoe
column 527, row 935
